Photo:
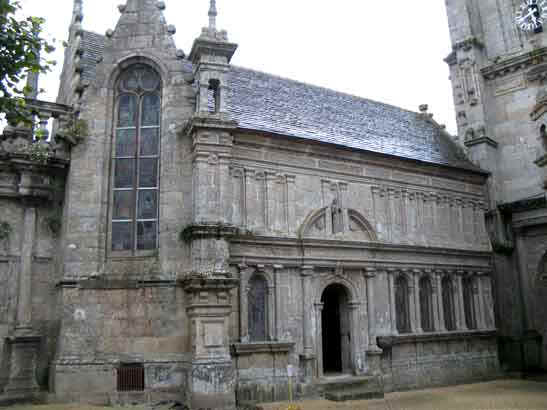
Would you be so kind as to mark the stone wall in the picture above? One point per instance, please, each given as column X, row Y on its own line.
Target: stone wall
column 420, row 362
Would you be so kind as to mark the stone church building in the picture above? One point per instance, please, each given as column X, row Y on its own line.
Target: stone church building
column 199, row 232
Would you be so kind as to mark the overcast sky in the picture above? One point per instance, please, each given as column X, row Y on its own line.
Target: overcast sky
column 386, row 51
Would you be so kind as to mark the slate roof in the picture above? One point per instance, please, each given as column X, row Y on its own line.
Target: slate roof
column 92, row 46
column 264, row 102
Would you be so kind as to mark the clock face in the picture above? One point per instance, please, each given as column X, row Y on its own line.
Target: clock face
column 531, row 15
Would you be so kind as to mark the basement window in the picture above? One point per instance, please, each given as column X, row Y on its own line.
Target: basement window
column 130, row 377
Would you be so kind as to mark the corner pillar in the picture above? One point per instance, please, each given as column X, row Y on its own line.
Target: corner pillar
column 212, row 377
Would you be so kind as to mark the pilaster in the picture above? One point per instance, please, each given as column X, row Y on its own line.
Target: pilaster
column 370, row 275
column 209, row 306
column 307, row 356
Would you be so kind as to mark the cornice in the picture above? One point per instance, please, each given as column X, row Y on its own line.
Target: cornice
column 514, row 64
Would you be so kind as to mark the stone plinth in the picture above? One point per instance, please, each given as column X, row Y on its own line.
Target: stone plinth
column 542, row 163
column 212, row 378
column 22, row 375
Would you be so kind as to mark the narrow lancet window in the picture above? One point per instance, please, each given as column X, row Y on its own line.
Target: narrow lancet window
column 136, row 161
column 257, row 297
column 448, row 304
column 469, row 303
column 402, row 308
column 426, row 305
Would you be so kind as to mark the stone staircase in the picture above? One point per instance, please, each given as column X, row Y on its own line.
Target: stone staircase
column 343, row 388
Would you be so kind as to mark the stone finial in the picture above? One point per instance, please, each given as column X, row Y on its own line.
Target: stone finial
column 109, row 33
column 171, row 29
column 160, row 5
column 423, row 108
column 122, row 7
column 213, row 15
column 180, row 54
column 77, row 11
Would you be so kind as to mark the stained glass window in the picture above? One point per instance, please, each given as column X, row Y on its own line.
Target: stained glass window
column 257, row 297
column 448, row 304
column 402, row 308
column 426, row 305
column 136, row 161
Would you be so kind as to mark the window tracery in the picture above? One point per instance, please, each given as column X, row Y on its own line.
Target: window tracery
column 136, row 160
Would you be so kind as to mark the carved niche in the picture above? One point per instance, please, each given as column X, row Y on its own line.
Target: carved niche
column 334, row 222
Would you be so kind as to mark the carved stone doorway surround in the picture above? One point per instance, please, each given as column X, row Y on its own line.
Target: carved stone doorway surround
column 350, row 336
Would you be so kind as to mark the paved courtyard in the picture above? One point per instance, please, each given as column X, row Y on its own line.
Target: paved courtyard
column 498, row 395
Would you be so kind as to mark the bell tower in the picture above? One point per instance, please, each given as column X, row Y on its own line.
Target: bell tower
column 498, row 70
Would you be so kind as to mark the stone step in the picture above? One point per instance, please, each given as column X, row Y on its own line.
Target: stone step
column 354, row 394
column 351, row 388
column 341, row 383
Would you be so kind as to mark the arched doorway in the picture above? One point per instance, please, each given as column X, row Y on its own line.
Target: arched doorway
column 335, row 325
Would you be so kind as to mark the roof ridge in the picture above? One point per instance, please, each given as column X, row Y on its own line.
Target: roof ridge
column 326, row 89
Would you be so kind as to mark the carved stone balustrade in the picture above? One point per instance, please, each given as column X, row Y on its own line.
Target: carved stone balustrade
column 31, row 159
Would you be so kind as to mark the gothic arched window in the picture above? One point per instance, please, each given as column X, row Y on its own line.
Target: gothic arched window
column 448, row 304
column 469, row 303
column 258, row 301
column 136, row 160
column 402, row 309
column 426, row 304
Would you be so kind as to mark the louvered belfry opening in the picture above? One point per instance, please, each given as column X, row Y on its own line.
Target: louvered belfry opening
column 130, row 377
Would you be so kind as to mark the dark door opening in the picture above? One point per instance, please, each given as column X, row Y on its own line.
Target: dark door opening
column 335, row 331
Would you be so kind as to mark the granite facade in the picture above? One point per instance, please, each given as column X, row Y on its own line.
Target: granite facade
column 310, row 213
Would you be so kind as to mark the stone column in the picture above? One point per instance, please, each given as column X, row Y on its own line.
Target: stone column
column 291, row 204
column 392, row 309
column 355, row 344
column 277, row 319
column 370, row 274
column 306, row 274
column 489, row 303
column 245, row 273
column 460, row 310
column 24, row 343
column 434, row 299
column 412, row 301
column 417, row 306
column 441, row 326
column 271, row 312
column 481, row 323
column 307, row 321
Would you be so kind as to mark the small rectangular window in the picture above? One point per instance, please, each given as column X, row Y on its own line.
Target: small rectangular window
column 130, row 377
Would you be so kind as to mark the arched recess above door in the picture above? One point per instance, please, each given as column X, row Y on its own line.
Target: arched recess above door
column 337, row 223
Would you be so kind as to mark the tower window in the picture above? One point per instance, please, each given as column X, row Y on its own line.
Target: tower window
column 136, row 161
column 214, row 96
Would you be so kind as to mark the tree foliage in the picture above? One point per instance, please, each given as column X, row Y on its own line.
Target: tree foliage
column 21, row 52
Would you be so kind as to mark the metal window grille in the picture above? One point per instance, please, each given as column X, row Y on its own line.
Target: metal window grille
column 130, row 377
